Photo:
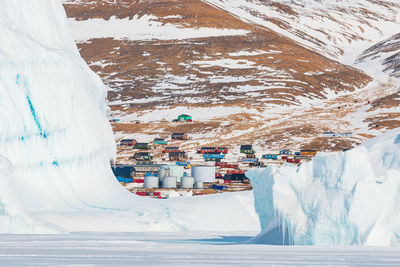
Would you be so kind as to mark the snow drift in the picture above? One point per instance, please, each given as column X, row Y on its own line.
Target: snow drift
column 345, row 198
column 57, row 143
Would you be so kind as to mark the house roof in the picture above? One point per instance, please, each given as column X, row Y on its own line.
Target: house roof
column 178, row 134
column 142, row 153
column 171, row 147
column 246, row 147
column 141, row 144
column 208, row 147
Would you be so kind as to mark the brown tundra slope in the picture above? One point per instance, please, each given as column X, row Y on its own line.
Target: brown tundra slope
column 241, row 81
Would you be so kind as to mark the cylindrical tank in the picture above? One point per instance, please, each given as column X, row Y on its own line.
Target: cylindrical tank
column 199, row 185
column 187, row 182
column 151, row 182
column 169, row 182
column 172, row 170
column 205, row 174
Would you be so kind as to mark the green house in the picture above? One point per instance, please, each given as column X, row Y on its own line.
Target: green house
column 246, row 149
column 142, row 146
column 160, row 141
column 184, row 117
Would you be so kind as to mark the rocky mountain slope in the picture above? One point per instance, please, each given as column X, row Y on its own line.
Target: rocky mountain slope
column 242, row 79
column 338, row 29
column 385, row 53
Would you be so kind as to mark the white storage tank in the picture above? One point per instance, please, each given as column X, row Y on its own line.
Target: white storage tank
column 172, row 170
column 199, row 185
column 187, row 182
column 169, row 182
column 151, row 182
column 205, row 174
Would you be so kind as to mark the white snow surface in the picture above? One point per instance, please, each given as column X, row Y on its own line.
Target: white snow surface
column 347, row 198
column 178, row 249
column 56, row 142
column 145, row 27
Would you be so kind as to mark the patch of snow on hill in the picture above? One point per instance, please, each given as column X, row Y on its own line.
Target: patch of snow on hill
column 144, row 28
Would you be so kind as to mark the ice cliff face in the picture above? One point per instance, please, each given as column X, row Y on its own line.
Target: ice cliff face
column 56, row 143
column 53, row 130
column 344, row 198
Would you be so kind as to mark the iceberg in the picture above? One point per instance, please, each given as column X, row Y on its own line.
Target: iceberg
column 345, row 198
column 56, row 142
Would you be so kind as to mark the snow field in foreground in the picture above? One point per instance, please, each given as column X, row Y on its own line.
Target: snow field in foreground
column 179, row 249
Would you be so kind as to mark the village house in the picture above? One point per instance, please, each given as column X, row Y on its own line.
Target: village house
column 246, row 149
column 169, row 149
column 179, row 136
column 206, row 150
column 177, row 156
column 160, row 141
column 285, row 152
column 142, row 146
column 222, row 150
column 127, row 142
column 213, row 155
column 184, row 118
column 142, row 156
column 143, row 168
column 270, row 156
column 308, row 152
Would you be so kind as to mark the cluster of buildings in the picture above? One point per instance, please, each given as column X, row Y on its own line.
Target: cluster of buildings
column 163, row 165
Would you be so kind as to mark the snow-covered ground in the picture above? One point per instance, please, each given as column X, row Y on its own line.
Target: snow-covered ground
column 178, row 249
column 145, row 27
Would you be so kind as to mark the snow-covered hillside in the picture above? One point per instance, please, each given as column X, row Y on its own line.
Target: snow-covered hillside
column 342, row 198
column 384, row 56
column 338, row 29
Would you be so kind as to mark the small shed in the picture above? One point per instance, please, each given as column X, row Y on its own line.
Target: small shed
column 246, row 149
column 184, row 117
column 179, row 136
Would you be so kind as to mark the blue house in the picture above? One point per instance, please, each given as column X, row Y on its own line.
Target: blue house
column 270, row 156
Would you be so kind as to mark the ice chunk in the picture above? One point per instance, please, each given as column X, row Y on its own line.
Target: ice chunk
column 344, row 198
